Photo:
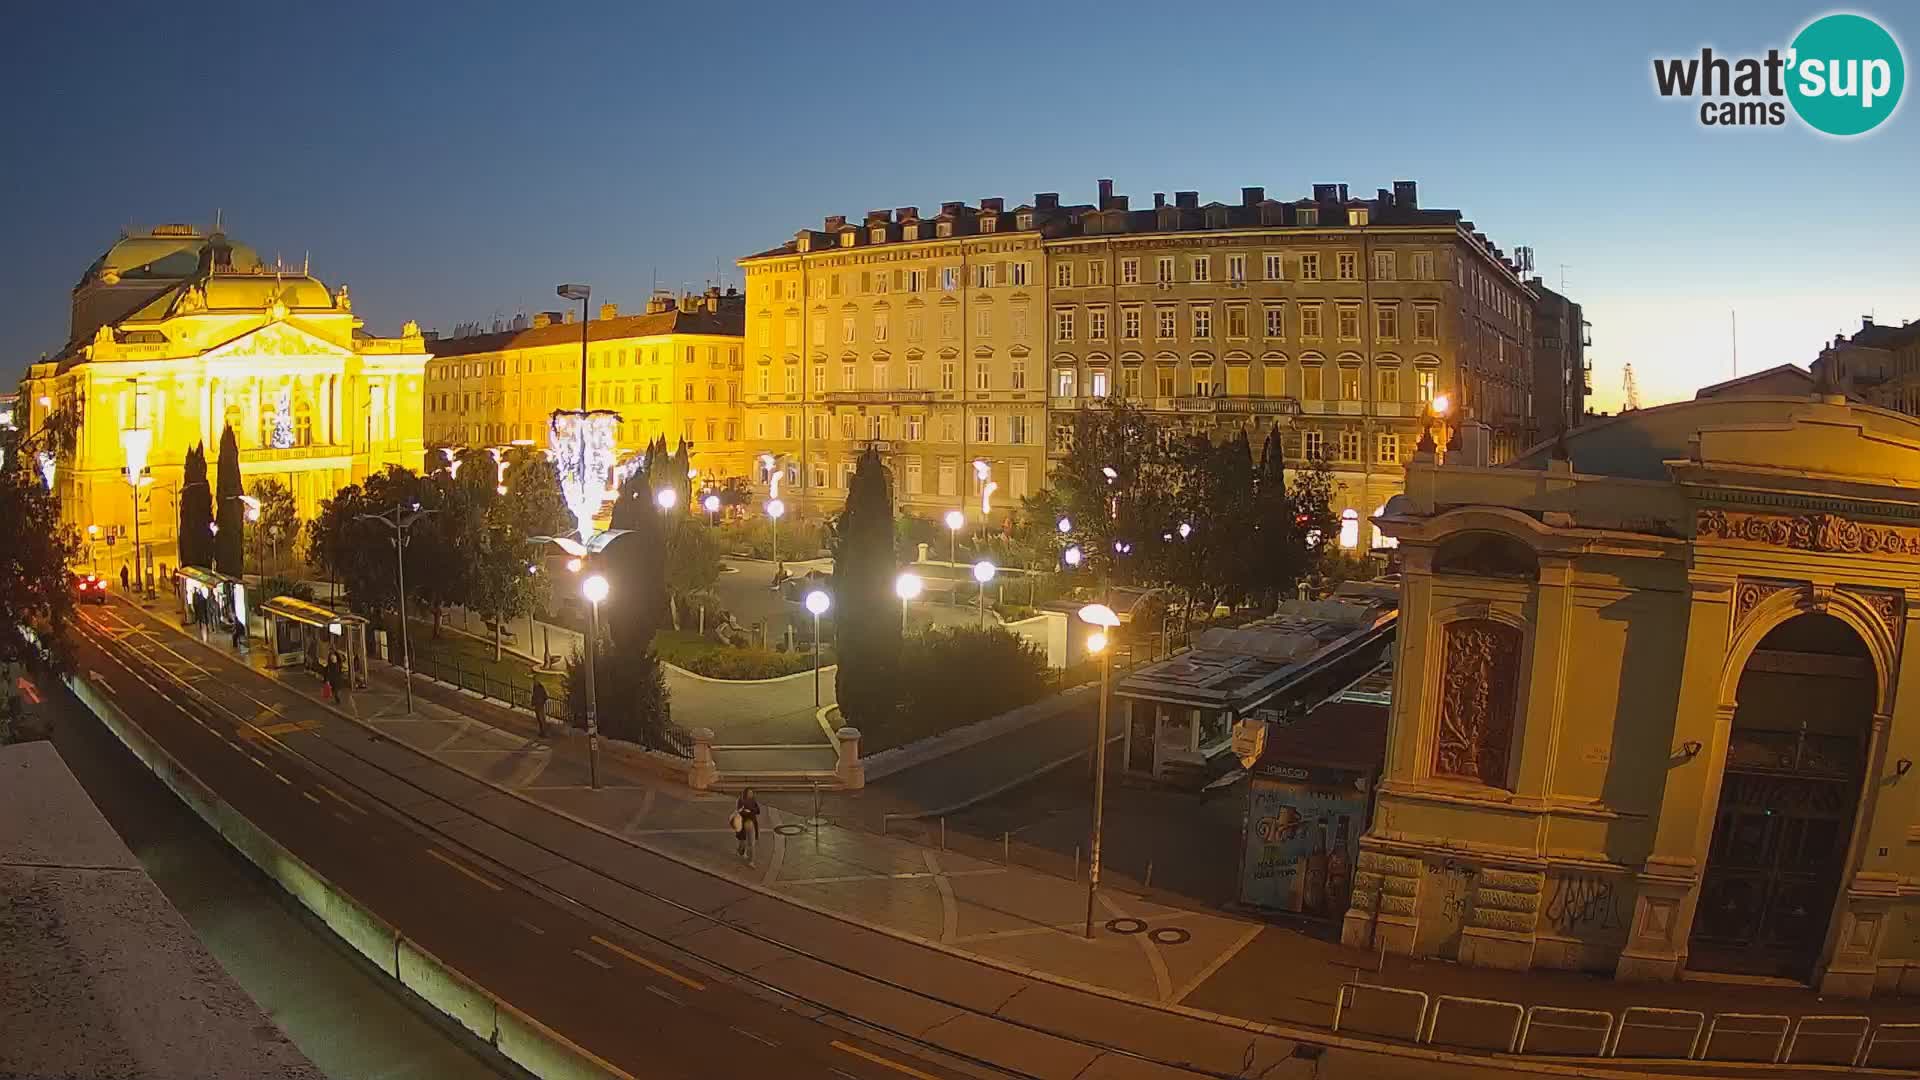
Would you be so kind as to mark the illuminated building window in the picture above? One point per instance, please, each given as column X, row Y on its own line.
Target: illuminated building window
column 1349, row 529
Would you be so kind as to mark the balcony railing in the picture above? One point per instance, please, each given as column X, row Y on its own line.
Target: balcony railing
column 879, row 397
column 1237, row 404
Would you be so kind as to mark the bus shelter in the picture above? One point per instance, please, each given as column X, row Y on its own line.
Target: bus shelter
column 210, row 599
column 301, row 634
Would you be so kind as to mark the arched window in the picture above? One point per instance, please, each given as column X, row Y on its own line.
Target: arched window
column 1349, row 529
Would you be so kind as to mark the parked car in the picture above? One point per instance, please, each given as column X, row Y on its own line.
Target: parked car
column 88, row 587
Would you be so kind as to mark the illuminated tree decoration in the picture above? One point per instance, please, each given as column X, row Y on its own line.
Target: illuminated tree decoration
column 582, row 446
column 46, row 467
column 283, row 419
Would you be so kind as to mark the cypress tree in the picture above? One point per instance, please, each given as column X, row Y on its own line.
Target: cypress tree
column 229, row 552
column 196, row 511
column 865, row 609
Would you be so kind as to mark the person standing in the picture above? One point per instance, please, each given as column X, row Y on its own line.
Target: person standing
column 746, row 814
column 330, row 677
column 540, row 708
column 124, row 577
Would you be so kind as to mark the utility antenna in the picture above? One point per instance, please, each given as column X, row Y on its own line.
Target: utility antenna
column 216, row 219
column 1563, row 278
column 1733, row 327
column 1630, row 390
column 306, row 263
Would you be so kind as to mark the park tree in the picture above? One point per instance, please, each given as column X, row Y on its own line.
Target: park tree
column 229, row 513
column 630, row 682
column 1280, row 550
column 36, row 602
column 196, row 511
column 1117, row 484
column 867, row 612
column 279, row 524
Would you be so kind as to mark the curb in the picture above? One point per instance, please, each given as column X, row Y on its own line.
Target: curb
column 1027, row 777
column 807, row 674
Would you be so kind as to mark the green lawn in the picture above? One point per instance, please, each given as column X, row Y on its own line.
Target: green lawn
column 702, row 657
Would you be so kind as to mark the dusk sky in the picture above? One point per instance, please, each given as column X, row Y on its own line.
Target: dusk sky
column 452, row 163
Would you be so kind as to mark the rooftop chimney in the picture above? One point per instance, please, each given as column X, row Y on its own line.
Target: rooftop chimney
column 544, row 318
column 1046, row 200
column 1406, row 195
column 1186, row 200
column 1106, row 194
column 1326, row 192
column 907, row 213
column 993, row 204
column 609, row 311
column 1252, row 196
column 1159, row 200
column 1866, row 322
column 835, row 222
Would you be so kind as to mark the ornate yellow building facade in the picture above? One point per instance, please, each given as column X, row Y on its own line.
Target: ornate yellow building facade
column 674, row 371
column 1653, row 709
column 181, row 333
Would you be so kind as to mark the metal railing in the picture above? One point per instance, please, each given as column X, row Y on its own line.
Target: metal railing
column 514, row 692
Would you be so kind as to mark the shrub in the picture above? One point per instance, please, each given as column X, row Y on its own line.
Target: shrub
column 716, row 661
column 958, row 675
column 284, row 586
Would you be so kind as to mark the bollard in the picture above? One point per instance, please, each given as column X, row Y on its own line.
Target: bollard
column 943, row 833
column 1006, row 848
column 1076, row 862
column 1149, row 881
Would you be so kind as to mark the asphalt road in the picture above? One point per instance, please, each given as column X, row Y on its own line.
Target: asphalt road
column 620, row 997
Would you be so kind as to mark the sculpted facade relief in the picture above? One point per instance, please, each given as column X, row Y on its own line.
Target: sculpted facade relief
column 1478, row 686
column 1808, row 532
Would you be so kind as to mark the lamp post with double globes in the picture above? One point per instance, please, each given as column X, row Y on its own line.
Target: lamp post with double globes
column 1103, row 620
column 594, row 588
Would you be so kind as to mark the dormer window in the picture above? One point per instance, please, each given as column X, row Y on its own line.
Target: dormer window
column 945, row 228
column 1307, row 215
column 913, row 232
column 1024, row 221
column 805, row 243
column 1357, row 216
column 849, row 238
column 988, row 224
column 878, row 236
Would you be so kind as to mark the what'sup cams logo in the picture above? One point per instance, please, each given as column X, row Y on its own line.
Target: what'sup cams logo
column 1842, row 75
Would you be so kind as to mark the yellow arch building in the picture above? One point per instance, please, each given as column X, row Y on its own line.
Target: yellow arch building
column 179, row 333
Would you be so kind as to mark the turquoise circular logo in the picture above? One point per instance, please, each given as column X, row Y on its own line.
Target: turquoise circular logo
column 1846, row 74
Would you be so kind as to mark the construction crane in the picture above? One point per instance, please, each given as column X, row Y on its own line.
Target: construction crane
column 1629, row 390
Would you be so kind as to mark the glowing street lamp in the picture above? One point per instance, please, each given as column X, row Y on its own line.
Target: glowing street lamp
column 1073, row 556
column 775, row 509
column 906, row 587
column 136, row 442
column 983, row 572
column 666, row 498
column 594, row 588
column 817, row 602
column 1065, row 525
column 955, row 522
column 1103, row 620
column 712, row 505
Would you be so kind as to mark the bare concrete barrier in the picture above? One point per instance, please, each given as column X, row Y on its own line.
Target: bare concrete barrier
column 520, row 1038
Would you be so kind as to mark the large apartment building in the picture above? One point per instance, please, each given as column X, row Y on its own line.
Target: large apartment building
column 1562, row 374
column 674, row 370
column 1879, row 364
column 977, row 333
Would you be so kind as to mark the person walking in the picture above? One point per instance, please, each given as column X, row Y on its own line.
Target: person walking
column 124, row 577
column 539, row 708
column 746, row 824
column 330, row 678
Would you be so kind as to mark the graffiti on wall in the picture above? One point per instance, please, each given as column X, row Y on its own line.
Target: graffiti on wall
column 1585, row 905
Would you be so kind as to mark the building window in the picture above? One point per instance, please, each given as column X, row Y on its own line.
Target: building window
column 1349, row 325
column 947, row 325
column 1163, row 381
column 1063, row 382
column 1017, row 375
column 880, row 326
column 792, row 338
column 1389, row 384
column 1275, row 267
column 1386, row 322
column 1097, row 324
column 983, row 429
column 686, row 392
column 916, row 280
column 1313, row 446
column 849, row 379
column 949, row 426
column 1130, row 323
column 880, row 282
column 1276, row 321
column 1236, row 268
column 988, row 224
column 819, row 378
column 1425, row 381
column 983, row 276
column 1307, row 215
column 1165, row 324
column 1237, row 321
column 1423, row 266
column 846, row 427
column 1349, row 266
column 1350, row 386
column 1129, row 271
column 1310, row 321
column 1018, row 271
column 1202, row 323
column 1098, row 382
column 916, row 328
column 1164, row 266
column 913, row 374
column 1063, row 275
column 880, row 375
column 915, row 425
column 819, row 426
column 1203, row 382
column 1387, row 448
column 1383, row 266
column 913, row 466
column 1063, row 324
column 1200, row 268
column 1096, row 272
column 1349, row 445
column 766, row 381
column 1130, row 382
column 1312, row 379
column 1024, row 221
column 949, row 375
column 1310, row 266
column 982, row 376
column 1017, row 430
column 1357, row 215
column 1019, row 327
column 846, row 330
column 792, row 379
column 764, row 333
column 1426, row 322
column 983, row 322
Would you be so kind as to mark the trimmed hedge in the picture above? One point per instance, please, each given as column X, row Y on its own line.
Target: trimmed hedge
column 716, row 661
column 954, row 676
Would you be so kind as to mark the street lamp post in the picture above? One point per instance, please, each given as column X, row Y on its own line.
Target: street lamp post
column 955, row 522
column 906, row 587
column 983, row 572
column 594, row 588
column 400, row 520
column 1102, row 618
column 137, row 442
column 775, row 508
column 817, row 602
column 712, row 505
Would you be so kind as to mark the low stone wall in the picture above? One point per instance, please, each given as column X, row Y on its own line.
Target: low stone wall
column 523, row 1040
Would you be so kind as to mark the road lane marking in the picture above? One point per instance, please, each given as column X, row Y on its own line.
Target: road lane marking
column 657, row 992
column 529, row 926
column 310, row 797
column 754, row 1035
column 283, row 779
column 231, row 743
column 488, row 882
column 882, row 1061
column 341, row 799
column 659, row 969
column 343, row 818
column 260, row 763
column 592, row 959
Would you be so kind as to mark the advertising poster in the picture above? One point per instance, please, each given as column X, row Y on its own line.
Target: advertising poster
column 1302, row 837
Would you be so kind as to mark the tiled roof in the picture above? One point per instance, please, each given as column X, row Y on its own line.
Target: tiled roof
column 731, row 323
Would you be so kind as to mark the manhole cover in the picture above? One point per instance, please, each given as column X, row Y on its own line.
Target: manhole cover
column 1169, row 935
column 788, row 829
column 1126, row 926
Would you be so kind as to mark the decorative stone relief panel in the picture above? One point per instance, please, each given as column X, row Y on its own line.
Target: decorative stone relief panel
column 1888, row 605
column 1507, row 900
column 1808, row 532
column 1478, row 686
column 1751, row 591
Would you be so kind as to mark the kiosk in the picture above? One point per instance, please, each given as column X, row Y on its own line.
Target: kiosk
column 225, row 597
column 300, row 634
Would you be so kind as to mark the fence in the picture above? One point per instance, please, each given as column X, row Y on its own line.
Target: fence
column 513, row 691
column 1640, row 1031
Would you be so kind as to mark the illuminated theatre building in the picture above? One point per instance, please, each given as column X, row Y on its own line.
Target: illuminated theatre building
column 177, row 334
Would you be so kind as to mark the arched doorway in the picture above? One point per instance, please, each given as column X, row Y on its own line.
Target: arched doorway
column 1795, row 759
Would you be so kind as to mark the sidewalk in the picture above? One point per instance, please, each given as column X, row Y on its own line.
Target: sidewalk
column 1007, row 916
